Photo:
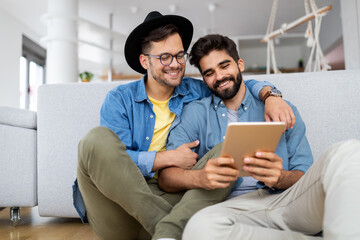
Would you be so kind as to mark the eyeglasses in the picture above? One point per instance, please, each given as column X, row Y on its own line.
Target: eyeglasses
column 167, row 58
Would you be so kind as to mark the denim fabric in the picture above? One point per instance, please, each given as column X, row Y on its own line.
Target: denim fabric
column 206, row 120
column 79, row 202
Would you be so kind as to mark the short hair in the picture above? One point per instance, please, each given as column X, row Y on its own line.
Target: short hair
column 158, row 35
column 211, row 42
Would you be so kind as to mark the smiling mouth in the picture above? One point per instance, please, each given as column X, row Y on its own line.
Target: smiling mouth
column 223, row 84
column 173, row 72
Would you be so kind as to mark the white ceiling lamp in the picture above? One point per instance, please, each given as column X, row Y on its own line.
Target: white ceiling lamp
column 134, row 9
column 173, row 8
column 212, row 7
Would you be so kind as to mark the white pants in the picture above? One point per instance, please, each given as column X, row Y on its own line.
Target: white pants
column 326, row 198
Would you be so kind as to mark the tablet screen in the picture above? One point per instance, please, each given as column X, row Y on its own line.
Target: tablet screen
column 244, row 139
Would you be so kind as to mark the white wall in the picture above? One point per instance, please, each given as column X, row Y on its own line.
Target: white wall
column 331, row 27
column 287, row 56
column 10, row 53
column 350, row 11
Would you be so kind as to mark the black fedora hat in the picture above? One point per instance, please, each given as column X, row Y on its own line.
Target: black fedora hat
column 152, row 21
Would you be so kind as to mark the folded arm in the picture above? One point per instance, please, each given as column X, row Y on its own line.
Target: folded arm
column 215, row 174
column 116, row 115
column 182, row 157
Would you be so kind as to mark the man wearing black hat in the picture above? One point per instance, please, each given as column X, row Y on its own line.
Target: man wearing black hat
column 119, row 162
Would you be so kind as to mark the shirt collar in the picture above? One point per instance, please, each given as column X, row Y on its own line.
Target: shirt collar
column 245, row 104
column 217, row 102
column 181, row 89
column 141, row 94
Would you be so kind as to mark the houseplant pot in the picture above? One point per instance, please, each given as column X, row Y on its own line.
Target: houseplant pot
column 86, row 76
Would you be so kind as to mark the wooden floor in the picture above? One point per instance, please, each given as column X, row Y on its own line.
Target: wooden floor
column 34, row 227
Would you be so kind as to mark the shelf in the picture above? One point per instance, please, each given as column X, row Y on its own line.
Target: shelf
column 283, row 70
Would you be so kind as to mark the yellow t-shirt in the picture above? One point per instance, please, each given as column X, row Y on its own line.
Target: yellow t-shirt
column 164, row 119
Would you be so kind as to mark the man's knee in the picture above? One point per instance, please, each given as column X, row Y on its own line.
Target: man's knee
column 339, row 159
column 205, row 223
column 350, row 146
column 213, row 153
column 342, row 152
column 196, row 226
column 98, row 141
column 96, row 136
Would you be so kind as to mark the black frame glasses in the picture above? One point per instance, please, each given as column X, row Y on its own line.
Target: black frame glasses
column 167, row 58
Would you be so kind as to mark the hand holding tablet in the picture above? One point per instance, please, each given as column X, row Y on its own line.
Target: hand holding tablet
column 244, row 139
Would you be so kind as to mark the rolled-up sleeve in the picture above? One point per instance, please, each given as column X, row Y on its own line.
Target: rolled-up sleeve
column 145, row 162
column 256, row 86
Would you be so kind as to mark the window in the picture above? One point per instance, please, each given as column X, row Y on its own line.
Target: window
column 32, row 73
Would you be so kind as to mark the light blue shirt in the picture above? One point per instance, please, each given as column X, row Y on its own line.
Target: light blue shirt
column 127, row 111
column 206, row 120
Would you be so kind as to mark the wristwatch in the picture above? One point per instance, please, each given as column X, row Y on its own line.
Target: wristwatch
column 272, row 92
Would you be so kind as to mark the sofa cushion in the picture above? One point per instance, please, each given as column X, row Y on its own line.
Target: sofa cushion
column 18, row 117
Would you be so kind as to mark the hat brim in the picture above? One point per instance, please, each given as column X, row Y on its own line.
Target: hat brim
column 133, row 43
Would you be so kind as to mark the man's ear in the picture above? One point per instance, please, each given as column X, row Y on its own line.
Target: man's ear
column 144, row 61
column 241, row 65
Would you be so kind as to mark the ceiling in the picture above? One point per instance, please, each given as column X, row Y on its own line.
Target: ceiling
column 229, row 17
column 235, row 18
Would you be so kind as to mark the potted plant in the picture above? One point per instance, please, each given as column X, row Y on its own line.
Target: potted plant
column 86, row 76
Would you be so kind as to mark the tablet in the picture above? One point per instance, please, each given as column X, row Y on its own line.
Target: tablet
column 244, row 139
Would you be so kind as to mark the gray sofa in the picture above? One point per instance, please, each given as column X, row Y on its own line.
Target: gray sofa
column 18, row 178
column 328, row 102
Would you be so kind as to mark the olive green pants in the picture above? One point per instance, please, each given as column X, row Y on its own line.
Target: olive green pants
column 122, row 204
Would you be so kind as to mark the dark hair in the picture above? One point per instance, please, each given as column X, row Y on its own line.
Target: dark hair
column 158, row 35
column 211, row 42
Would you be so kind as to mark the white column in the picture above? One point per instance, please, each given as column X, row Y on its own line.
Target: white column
column 350, row 14
column 62, row 49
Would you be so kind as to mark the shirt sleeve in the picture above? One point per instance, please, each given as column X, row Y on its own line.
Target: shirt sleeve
column 202, row 88
column 256, row 86
column 187, row 130
column 300, row 156
column 113, row 115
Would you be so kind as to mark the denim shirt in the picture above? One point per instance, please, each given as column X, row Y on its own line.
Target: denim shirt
column 127, row 111
column 206, row 120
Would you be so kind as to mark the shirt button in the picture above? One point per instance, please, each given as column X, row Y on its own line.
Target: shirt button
column 151, row 116
column 147, row 138
column 223, row 137
column 223, row 114
column 245, row 108
column 221, row 102
column 215, row 106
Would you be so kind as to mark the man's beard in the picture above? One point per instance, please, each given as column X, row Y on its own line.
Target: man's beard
column 229, row 92
column 162, row 80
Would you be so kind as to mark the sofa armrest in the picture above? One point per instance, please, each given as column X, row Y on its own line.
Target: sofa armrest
column 18, row 117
